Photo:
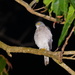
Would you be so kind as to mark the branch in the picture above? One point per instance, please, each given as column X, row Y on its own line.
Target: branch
column 67, row 68
column 23, row 3
column 33, row 2
column 53, row 55
column 70, row 58
column 66, row 42
column 14, row 49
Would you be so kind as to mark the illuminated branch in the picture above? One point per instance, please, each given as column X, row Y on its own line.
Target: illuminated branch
column 66, row 67
column 53, row 55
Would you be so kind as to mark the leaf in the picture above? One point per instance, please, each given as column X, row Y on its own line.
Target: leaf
column 56, row 7
column 73, row 3
column 47, row 2
column 69, row 20
column 37, row 1
column 2, row 64
column 64, row 7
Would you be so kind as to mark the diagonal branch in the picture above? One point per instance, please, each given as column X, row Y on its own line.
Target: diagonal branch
column 66, row 42
column 23, row 3
column 66, row 67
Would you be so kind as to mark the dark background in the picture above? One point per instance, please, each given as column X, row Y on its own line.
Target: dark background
column 17, row 27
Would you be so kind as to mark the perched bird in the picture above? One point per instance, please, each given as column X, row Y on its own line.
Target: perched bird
column 43, row 38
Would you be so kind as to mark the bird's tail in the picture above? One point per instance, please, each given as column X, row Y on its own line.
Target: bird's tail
column 46, row 60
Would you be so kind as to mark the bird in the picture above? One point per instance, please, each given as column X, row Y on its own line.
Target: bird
column 43, row 38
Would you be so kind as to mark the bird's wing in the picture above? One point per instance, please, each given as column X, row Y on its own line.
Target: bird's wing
column 50, row 44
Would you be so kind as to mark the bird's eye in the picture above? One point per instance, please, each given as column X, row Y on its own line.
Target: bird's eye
column 38, row 23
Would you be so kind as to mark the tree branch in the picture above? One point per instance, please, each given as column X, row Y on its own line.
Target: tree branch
column 23, row 3
column 66, row 42
column 53, row 55
column 67, row 68
column 70, row 58
column 33, row 2
column 14, row 49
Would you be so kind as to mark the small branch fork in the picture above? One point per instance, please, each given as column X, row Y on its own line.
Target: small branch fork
column 63, row 47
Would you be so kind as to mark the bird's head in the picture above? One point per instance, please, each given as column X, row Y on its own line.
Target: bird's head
column 39, row 24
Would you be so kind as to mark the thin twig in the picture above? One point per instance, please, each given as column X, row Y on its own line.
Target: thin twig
column 66, row 42
column 33, row 2
column 73, row 55
column 39, row 8
column 69, row 58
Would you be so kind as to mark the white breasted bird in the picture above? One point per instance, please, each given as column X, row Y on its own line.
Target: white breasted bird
column 43, row 38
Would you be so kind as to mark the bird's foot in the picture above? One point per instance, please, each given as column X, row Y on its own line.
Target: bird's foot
column 43, row 49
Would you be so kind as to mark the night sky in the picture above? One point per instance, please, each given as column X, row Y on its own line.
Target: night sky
column 17, row 24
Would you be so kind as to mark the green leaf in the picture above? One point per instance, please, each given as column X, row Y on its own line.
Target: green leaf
column 69, row 20
column 64, row 7
column 2, row 63
column 56, row 7
column 73, row 3
column 47, row 2
column 70, row 12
